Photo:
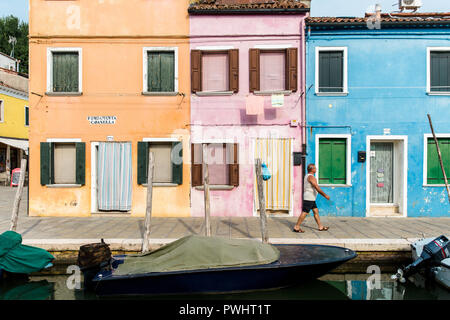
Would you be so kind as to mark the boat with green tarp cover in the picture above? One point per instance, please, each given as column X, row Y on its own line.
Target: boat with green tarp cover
column 19, row 259
column 197, row 264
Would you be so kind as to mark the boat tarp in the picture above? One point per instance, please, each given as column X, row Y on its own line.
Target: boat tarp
column 18, row 258
column 198, row 252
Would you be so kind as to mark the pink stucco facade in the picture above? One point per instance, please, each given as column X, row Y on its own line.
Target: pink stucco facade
column 224, row 118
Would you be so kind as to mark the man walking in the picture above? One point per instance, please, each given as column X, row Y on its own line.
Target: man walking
column 311, row 188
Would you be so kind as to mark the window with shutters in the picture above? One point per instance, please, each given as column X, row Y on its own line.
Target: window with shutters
column 434, row 175
column 223, row 167
column 273, row 70
column 333, row 161
column 331, row 71
column 439, row 70
column 214, row 72
column 160, row 70
column 64, row 71
column 168, row 161
column 63, row 163
column 27, row 116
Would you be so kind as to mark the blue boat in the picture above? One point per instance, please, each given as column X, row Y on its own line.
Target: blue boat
column 294, row 264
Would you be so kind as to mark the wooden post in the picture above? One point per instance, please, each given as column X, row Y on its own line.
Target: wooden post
column 206, row 191
column 15, row 213
column 148, row 212
column 8, row 164
column 262, row 202
column 440, row 157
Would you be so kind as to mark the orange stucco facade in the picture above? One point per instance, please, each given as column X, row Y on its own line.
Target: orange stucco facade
column 112, row 35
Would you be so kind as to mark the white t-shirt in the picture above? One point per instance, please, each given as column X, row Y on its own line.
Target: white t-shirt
column 309, row 193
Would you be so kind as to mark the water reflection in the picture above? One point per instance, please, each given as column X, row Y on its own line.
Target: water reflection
column 330, row 287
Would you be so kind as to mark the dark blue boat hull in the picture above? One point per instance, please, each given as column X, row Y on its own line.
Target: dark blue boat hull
column 297, row 264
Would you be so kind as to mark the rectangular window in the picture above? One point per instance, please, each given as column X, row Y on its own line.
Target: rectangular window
column 2, row 111
column 64, row 163
column 434, row 171
column 168, row 161
column 163, row 164
column 215, row 72
column 65, row 72
column 332, row 161
column 273, row 71
column 440, row 71
column 222, row 162
column 161, row 71
column 27, row 116
column 331, row 71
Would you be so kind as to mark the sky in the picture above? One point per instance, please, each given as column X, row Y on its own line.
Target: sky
column 19, row 8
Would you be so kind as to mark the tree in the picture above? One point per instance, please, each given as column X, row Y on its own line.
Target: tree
column 11, row 26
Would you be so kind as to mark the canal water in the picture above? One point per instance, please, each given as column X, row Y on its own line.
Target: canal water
column 329, row 287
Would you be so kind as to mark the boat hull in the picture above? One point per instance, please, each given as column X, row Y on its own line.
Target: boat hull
column 289, row 270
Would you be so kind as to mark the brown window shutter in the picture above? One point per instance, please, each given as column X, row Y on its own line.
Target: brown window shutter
column 233, row 65
column 234, row 167
column 291, row 69
column 196, row 170
column 254, row 70
column 196, row 70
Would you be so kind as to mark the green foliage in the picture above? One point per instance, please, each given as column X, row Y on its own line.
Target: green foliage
column 11, row 26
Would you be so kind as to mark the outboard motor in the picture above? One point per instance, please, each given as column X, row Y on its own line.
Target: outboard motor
column 432, row 254
column 92, row 258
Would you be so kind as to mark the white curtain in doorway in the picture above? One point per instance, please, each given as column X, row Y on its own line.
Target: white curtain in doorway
column 276, row 153
column 114, row 176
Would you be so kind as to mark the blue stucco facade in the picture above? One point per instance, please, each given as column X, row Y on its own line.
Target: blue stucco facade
column 387, row 99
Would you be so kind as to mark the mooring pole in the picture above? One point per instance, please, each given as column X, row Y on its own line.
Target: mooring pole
column 15, row 212
column 148, row 212
column 262, row 202
column 440, row 157
column 206, row 191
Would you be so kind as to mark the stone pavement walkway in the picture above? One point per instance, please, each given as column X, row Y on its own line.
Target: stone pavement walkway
column 126, row 232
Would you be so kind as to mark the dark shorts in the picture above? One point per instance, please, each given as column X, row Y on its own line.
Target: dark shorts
column 308, row 206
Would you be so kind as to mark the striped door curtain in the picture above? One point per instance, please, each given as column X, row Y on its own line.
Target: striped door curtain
column 114, row 176
column 276, row 153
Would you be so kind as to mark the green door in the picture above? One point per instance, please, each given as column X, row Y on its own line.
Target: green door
column 381, row 172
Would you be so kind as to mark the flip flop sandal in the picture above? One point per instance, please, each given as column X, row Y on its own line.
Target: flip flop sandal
column 324, row 229
column 298, row 231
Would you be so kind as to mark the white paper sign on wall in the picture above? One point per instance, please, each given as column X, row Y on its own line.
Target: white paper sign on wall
column 387, row 131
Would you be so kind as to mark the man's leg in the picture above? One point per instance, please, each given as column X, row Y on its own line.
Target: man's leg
column 317, row 218
column 299, row 221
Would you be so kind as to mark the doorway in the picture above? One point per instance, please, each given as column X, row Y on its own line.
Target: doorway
column 111, row 177
column 386, row 176
column 277, row 155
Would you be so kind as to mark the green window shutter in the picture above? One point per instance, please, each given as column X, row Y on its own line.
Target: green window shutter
column 45, row 163
column 434, row 171
column 80, row 163
column 161, row 71
column 332, row 161
column 331, row 71
column 142, row 162
column 27, row 116
column 168, row 72
column 440, row 71
column 177, row 168
column 339, row 161
column 325, row 162
column 65, row 72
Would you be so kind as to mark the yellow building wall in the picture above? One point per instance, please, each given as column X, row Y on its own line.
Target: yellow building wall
column 112, row 35
column 13, row 124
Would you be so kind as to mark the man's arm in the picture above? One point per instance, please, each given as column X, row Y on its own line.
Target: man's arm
column 314, row 183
